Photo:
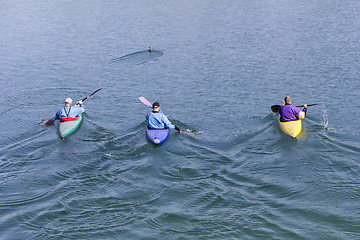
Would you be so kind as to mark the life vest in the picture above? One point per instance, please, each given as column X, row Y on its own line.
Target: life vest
column 68, row 119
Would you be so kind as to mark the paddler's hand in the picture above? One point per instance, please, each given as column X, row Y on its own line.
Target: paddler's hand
column 80, row 102
column 177, row 128
column 305, row 105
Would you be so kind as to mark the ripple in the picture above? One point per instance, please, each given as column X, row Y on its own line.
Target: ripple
column 15, row 200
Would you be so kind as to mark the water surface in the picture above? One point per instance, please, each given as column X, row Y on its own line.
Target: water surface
column 216, row 68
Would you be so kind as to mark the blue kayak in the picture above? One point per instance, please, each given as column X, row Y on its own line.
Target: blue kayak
column 157, row 136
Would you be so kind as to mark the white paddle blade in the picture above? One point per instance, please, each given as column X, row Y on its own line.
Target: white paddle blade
column 145, row 101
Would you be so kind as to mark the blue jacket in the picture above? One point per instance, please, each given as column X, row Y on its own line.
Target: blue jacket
column 158, row 121
column 71, row 111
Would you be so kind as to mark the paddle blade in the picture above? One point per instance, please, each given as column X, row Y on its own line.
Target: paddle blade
column 47, row 122
column 275, row 108
column 91, row 94
column 94, row 92
column 145, row 101
column 187, row 133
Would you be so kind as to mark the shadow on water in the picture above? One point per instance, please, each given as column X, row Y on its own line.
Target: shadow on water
column 138, row 58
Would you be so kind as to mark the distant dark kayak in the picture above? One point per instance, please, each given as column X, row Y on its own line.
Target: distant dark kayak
column 138, row 58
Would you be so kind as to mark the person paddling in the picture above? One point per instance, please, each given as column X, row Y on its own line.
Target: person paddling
column 289, row 112
column 157, row 120
column 70, row 113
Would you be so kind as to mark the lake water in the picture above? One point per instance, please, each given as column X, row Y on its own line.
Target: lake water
column 216, row 68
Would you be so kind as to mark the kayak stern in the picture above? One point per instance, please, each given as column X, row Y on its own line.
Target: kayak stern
column 68, row 128
column 291, row 128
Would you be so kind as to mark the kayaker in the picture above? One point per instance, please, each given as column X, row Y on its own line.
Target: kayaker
column 158, row 120
column 150, row 50
column 289, row 112
column 70, row 113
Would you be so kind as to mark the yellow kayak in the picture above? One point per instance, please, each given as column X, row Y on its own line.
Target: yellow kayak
column 292, row 128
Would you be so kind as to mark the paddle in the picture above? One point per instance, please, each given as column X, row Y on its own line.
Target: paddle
column 275, row 108
column 52, row 120
column 90, row 95
column 146, row 102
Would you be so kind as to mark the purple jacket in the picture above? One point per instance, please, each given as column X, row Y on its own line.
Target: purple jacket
column 289, row 113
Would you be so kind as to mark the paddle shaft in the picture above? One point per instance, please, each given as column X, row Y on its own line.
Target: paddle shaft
column 275, row 108
column 309, row 105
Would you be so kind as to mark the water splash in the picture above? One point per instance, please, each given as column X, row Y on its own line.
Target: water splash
column 325, row 119
column 191, row 132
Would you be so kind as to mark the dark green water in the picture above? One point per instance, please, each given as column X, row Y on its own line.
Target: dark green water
column 216, row 68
